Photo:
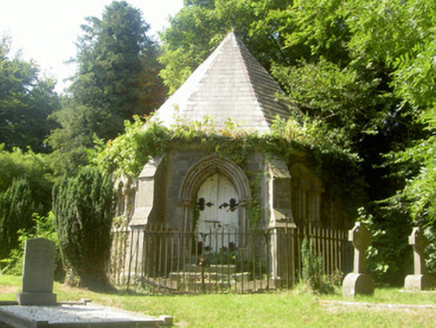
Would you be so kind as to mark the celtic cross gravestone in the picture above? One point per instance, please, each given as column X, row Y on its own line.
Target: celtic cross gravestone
column 358, row 282
column 419, row 280
column 361, row 239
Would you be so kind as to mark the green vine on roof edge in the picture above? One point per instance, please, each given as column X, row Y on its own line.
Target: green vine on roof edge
column 324, row 152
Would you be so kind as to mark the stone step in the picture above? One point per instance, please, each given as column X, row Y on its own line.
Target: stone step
column 209, row 276
column 208, row 286
column 246, row 286
column 218, row 268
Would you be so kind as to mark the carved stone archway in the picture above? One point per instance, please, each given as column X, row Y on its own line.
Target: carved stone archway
column 202, row 170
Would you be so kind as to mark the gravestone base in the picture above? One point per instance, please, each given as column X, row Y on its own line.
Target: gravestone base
column 357, row 283
column 36, row 298
column 417, row 282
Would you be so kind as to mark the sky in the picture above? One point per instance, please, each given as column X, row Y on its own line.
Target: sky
column 46, row 30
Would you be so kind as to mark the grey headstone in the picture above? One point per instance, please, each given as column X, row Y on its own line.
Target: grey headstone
column 38, row 273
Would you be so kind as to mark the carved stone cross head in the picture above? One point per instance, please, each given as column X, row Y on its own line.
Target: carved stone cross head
column 419, row 243
column 418, row 240
column 360, row 236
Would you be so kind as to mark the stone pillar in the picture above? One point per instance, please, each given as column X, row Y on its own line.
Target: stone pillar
column 358, row 282
column 282, row 251
column 148, row 183
column 420, row 280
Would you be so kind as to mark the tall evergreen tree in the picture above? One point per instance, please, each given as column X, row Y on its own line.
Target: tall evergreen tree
column 117, row 78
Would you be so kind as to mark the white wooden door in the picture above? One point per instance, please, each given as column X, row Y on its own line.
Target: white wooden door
column 217, row 225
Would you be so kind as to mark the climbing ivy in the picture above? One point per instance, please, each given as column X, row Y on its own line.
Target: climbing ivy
column 331, row 160
column 253, row 208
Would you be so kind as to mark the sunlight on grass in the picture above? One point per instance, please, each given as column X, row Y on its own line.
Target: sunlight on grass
column 281, row 309
column 6, row 280
column 391, row 296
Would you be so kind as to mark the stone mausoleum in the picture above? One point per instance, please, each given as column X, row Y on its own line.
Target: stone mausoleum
column 229, row 85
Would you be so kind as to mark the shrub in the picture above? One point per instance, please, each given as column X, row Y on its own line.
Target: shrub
column 25, row 189
column 312, row 275
column 43, row 228
column 84, row 208
column 16, row 209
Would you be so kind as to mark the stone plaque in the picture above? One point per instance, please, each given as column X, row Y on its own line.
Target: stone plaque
column 38, row 273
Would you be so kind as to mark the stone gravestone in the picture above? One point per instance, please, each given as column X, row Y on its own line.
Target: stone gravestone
column 38, row 272
column 358, row 282
column 420, row 280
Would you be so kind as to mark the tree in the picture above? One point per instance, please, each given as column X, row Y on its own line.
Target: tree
column 117, row 76
column 200, row 26
column 414, row 81
column 113, row 57
column 84, row 208
column 26, row 102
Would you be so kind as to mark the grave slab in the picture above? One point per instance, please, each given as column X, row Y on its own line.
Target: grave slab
column 77, row 316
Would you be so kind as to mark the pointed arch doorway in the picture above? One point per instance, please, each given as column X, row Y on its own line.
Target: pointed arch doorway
column 218, row 221
column 221, row 191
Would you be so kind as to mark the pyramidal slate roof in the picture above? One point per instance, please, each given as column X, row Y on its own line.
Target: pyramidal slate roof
column 229, row 84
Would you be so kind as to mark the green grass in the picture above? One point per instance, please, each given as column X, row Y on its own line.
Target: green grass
column 282, row 309
column 390, row 296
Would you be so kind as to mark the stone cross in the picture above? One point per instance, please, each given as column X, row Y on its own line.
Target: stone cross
column 360, row 238
column 419, row 242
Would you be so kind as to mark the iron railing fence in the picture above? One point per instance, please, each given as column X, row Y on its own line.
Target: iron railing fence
column 165, row 259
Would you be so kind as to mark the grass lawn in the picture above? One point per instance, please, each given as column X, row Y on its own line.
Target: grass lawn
column 281, row 309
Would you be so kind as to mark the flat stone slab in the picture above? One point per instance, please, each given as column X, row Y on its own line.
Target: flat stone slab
column 76, row 316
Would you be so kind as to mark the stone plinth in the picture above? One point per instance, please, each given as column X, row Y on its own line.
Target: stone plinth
column 417, row 282
column 38, row 273
column 420, row 280
column 358, row 282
